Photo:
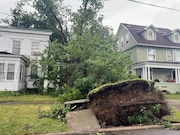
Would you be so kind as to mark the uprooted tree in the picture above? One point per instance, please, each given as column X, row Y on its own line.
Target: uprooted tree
column 114, row 104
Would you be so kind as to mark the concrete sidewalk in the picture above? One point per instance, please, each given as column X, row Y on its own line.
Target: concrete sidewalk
column 112, row 129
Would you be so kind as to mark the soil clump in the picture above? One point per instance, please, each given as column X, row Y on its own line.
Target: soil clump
column 113, row 103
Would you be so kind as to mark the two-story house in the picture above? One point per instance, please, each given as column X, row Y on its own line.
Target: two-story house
column 17, row 47
column 155, row 53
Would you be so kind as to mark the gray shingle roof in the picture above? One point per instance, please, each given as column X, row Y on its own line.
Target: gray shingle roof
column 161, row 40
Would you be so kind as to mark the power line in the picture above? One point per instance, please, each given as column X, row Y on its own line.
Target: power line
column 153, row 5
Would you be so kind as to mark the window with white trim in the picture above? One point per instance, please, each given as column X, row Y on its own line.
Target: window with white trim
column 35, row 48
column 150, row 35
column 10, row 71
column 1, row 71
column 177, row 55
column 22, row 73
column 176, row 38
column 169, row 55
column 16, row 47
column 151, row 54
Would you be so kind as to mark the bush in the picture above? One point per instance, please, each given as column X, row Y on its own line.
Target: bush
column 69, row 94
column 10, row 93
column 57, row 111
column 145, row 116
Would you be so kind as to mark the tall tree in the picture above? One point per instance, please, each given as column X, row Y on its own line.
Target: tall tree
column 87, row 16
column 46, row 14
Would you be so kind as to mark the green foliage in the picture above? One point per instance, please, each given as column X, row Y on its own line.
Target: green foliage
column 69, row 94
column 10, row 94
column 156, row 91
column 47, row 14
column 145, row 116
column 83, row 55
column 57, row 111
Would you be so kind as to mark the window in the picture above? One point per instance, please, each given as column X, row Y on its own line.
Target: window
column 177, row 55
column 169, row 55
column 34, row 72
column 10, row 71
column 22, row 73
column 16, row 47
column 176, row 38
column 1, row 71
column 150, row 35
column 151, row 54
column 35, row 48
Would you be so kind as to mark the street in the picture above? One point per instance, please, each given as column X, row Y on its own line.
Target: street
column 147, row 132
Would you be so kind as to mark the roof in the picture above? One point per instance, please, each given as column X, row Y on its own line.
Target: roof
column 11, row 55
column 25, row 30
column 161, row 40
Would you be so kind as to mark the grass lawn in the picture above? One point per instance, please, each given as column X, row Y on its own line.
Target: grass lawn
column 174, row 117
column 29, row 98
column 172, row 96
column 23, row 119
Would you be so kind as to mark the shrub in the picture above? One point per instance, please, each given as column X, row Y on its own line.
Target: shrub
column 145, row 116
column 69, row 94
column 57, row 111
column 10, row 93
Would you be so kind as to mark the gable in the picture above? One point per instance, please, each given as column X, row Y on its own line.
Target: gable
column 139, row 33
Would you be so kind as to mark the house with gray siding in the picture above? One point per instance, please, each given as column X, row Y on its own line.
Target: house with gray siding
column 155, row 53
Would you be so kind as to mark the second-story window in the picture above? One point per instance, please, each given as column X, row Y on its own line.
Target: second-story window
column 169, row 55
column 16, row 47
column 35, row 48
column 1, row 71
column 177, row 55
column 151, row 54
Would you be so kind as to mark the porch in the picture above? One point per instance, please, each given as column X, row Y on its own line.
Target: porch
column 166, row 75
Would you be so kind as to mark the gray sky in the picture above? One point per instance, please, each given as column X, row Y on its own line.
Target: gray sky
column 124, row 11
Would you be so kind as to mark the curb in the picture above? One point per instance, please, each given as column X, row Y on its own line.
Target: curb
column 123, row 128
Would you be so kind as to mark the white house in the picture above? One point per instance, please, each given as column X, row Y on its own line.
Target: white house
column 17, row 45
column 12, row 71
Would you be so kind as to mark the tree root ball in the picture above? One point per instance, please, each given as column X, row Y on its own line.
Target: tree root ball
column 113, row 103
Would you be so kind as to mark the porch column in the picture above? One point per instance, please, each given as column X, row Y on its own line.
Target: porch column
column 148, row 73
column 145, row 73
column 176, row 75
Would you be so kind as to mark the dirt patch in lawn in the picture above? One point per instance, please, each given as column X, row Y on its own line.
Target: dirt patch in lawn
column 113, row 103
column 174, row 103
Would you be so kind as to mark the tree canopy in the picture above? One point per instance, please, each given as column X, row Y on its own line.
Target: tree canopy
column 84, row 53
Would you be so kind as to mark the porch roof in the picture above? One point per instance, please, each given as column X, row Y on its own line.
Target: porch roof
column 157, row 64
column 11, row 55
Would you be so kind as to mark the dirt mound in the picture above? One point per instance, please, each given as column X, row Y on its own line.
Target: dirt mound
column 113, row 103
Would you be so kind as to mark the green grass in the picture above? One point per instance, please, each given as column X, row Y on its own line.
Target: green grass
column 29, row 98
column 23, row 119
column 172, row 96
column 174, row 117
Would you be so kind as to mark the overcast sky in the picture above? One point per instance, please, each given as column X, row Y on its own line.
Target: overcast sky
column 124, row 11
